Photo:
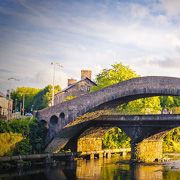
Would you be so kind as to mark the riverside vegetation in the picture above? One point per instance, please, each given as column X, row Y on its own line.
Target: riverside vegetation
column 25, row 136
column 21, row 137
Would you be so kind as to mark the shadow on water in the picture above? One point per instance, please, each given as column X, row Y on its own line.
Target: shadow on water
column 99, row 169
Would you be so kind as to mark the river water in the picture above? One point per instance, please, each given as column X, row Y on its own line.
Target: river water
column 115, row 168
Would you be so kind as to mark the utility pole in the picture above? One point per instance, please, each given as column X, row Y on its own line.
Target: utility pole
column 54, row 63
column 23, row 103
column 23, row 94
column 15, row 106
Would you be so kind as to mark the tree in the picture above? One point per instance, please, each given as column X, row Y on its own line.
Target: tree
column 29, row 96
column 167, row 101
column 34, row 98
column 43, row 97
column 119, row 73
column 116, row 74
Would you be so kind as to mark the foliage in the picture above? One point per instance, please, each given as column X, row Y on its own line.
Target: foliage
column 116, row 74
column 29, row 94
column 34, row 98
column 70, row 97
column 8, row 141
column 31, row 131
column 115, row 139
column 170, row 101
column 172, row 141
column 141, row 106
column 119, row 73
column 42, row 99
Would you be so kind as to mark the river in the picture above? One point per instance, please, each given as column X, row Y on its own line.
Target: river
column 115, row 168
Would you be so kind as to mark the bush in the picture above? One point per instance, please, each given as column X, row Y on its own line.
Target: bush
column 21, row 136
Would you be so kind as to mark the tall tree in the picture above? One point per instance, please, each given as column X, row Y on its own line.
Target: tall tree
column 43, row 98
column 118, row 73
column 34, row 98
column 28, row 94
column 114, row 75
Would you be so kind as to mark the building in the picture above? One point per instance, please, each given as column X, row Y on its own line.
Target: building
column 5, row 107
column 75, row 88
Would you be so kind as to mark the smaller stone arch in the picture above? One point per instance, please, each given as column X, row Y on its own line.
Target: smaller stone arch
column 54, row 120
column 44, row 124
column 62, row 116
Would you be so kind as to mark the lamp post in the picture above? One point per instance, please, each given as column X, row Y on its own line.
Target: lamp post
column 9, row 79
column 54, row 63
column 10, row 85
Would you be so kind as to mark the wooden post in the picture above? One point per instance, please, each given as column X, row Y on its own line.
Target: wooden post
column 108, row 155
column 91, row 156
column 100, row 155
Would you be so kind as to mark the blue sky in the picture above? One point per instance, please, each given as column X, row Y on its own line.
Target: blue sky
column 83, row 34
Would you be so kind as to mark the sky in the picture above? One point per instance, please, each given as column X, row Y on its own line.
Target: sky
column 86, row 34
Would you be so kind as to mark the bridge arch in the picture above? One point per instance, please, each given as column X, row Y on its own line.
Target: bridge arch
column 62, row 116
column 53, row 120
column 44, row 123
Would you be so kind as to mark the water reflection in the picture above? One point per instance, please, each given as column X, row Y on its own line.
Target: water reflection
column 150, row 172
column 105, row 169
column 98, row 169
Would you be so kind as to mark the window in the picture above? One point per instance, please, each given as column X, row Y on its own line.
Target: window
column 88, row 88
column 82, row 88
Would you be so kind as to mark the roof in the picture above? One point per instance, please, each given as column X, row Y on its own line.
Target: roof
column 1, row 94
column 70, row 86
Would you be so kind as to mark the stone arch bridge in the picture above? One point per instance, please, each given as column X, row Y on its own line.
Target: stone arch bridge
column 62, row 114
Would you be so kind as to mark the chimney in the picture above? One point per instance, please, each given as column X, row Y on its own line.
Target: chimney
column 71, row 81
column 86, row 73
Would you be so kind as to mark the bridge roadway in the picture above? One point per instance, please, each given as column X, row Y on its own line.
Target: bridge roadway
column 146, row 133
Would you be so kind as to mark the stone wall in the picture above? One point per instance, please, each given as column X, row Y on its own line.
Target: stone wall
column 91, row 139
column 89, row 144
column 147, row 151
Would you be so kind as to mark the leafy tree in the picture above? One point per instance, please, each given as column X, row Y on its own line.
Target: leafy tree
column 116, row 74
column 42, row 99
column 34, row 98
column 29, row 96
column 167, row 101
column 119, row 73
column 115, row 139
column 30, row 133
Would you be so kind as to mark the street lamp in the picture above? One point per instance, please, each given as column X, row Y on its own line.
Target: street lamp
column 10, row 85
column 54, row 63
column 10, row 94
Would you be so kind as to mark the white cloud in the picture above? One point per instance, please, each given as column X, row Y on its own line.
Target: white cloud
column 139, row 11
column 46, row 77
column 172, row 7
column 167, row 62
column 87, row 36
